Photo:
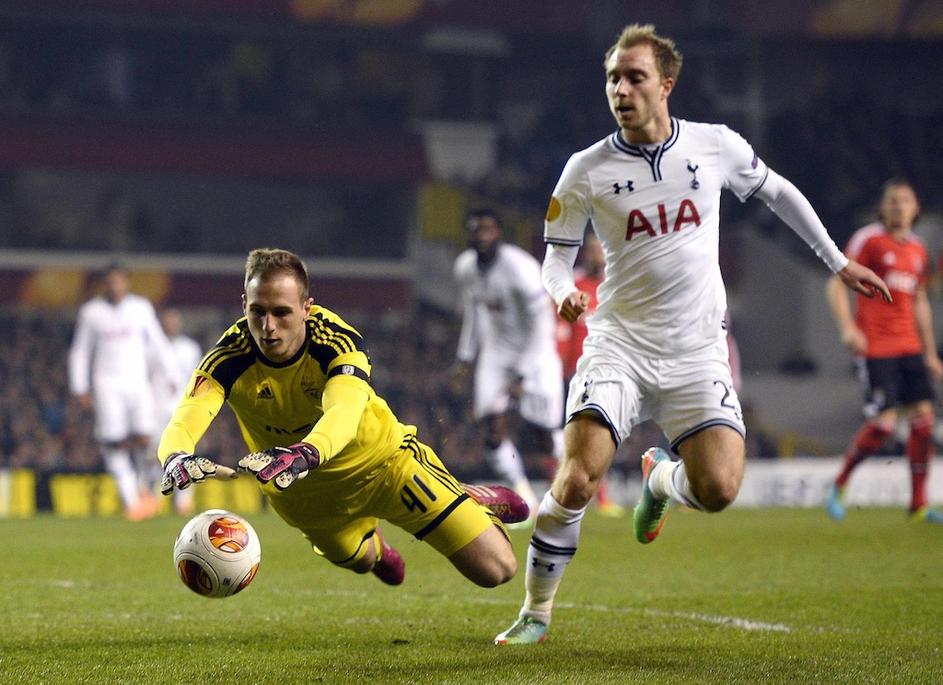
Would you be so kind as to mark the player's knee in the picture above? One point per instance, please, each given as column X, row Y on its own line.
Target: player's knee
column 718, row 493
column 576, row 487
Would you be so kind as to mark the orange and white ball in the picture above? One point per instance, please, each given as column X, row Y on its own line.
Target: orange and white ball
column 217, row 553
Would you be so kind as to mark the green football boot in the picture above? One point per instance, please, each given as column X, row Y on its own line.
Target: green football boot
column 650, row 512
column 524, row 631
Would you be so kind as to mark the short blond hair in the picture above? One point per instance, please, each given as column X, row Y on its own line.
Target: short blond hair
column 265, row 262
column 666, row 54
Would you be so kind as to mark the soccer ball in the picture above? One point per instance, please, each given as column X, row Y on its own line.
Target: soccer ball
column 217, row 553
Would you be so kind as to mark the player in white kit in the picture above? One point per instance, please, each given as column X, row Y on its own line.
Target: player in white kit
column 187, row 355
column 655, row 347
column 509, row 333
column 117, row 337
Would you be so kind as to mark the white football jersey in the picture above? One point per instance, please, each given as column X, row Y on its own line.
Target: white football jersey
column 114, row 343
column 656, row 211
column 187, row 356
column 505, row 307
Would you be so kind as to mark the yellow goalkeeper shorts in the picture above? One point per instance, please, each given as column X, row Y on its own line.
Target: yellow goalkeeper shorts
column 414, row 491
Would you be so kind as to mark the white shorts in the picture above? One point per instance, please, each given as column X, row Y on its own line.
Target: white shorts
column 542, row 400
column 683, row 395
column 123, row 410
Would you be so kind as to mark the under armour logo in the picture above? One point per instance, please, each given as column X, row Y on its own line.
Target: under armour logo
column 618, row 188
column 692, row 167
column 550, row 566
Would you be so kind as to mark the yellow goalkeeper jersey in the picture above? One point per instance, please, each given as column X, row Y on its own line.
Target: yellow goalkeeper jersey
column 321, row 396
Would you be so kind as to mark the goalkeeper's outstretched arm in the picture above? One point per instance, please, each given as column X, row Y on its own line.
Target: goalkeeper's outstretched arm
column 189, row 423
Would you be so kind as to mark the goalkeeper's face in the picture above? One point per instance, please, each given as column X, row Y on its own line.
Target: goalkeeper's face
column 276, row 309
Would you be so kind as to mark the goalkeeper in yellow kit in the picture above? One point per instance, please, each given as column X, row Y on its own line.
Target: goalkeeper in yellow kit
column 328, row 453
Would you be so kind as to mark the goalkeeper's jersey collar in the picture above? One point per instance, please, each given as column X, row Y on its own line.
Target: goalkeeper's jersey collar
column 288, row 362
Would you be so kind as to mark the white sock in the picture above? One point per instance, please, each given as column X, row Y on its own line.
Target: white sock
column 507, row 463
column 669, row 479
column 552, row 546
column 118, row 464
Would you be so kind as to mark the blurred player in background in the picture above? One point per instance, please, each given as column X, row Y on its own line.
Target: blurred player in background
column 167, row 390
column 116, row 344
column 508, row 334
column 329, row 455
column 893, row 345
column 656, row 346
column 570, row 335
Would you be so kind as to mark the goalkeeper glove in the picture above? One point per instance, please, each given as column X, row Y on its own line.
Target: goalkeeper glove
column 182, row 469
column 284, row 465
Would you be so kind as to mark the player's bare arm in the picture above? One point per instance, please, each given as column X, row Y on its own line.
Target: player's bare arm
column 862, row 280
column 851, row 335
column 934, row 366
column 923, row 316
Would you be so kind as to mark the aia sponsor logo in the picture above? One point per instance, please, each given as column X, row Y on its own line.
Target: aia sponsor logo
column 665, row 222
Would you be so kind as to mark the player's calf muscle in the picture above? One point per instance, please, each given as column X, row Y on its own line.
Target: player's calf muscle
column 488, row 560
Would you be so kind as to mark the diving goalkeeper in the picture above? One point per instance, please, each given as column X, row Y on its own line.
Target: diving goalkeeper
column 328, row 453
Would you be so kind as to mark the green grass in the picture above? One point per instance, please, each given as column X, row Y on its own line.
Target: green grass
column 776, row 596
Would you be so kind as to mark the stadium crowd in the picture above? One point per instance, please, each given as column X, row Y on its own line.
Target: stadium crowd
column 257, row 82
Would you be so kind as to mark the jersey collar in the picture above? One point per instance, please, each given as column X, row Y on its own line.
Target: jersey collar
column 647, row 151
column 288, row 362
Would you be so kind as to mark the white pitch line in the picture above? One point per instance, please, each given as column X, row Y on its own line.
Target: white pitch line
column 728, row 621
column 731, row 621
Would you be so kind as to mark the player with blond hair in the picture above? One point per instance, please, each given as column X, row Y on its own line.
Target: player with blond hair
column 327, row 451
column 656, row 346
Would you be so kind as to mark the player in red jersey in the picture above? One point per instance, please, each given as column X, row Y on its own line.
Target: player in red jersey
column 894, row 344
column 570, row 336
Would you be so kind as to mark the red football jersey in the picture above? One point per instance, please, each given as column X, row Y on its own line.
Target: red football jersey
column 891, row 329
column 570, row 336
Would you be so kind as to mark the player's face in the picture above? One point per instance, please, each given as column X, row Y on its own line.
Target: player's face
column 172, row 322
column 276, row 310
column 637, row 93
column 899, row 207
column 483, row 236
column 117, row 285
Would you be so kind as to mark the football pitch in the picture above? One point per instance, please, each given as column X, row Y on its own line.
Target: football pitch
column 768, row 596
